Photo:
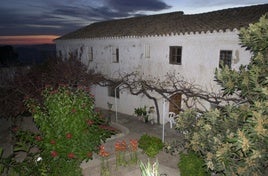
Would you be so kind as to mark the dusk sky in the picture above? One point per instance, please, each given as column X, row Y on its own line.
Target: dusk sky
column 41, row 21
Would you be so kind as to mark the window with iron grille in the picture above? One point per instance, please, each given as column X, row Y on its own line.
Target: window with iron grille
column 90, row 53
column 225, row 58
column 175, row 55
column 115, row 55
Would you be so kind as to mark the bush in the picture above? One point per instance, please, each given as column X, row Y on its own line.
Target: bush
column 70, row 131
column 150, row 145
column 191, row 164
column 233, row 137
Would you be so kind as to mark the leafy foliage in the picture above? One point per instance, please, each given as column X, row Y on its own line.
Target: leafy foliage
column 233, row 139
column 191, row 165
column 70, row 131
column 151, row 145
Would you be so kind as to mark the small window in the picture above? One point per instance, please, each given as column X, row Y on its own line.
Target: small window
column 115, row 55
column 90, row 53
column 147, row 51
column 113, row 91
column 175, row 54
column 225, row 58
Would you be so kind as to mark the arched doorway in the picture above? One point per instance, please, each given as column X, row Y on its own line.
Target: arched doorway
column 175, row 103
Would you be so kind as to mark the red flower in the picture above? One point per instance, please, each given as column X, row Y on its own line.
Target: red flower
column 52, row 142
column 90, row 122
column 73, row 110
column 68, row 135
column 38, row 138
column 71, row 155
column 53, row 153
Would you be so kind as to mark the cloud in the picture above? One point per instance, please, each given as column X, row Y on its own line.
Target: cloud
column 137, row 5
column 50, row 17
column 59, row 17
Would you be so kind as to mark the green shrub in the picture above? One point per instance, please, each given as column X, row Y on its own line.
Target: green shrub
column 150, row 145
column 70, row 131
column 232, row 138
column 191, row 164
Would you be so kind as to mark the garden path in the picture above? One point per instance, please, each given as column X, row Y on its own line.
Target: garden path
column 133, row 128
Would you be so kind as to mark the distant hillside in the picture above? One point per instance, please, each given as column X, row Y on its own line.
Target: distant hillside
column 34, row 54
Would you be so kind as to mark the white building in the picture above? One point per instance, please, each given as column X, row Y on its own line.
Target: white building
column 191, row 45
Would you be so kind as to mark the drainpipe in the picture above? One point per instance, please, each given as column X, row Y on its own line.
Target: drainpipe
column 163, row 121
column 115, row 100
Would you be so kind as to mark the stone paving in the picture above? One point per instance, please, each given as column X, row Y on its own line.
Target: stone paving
column 132, row 128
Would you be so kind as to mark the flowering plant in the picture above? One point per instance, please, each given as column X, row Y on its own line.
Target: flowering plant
column 133, row 146
column 120, row 151
column 70, row 128
column 105, row 170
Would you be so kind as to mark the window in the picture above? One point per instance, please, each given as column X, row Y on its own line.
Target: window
column 225, row 58
column 115, row 55
column 113, row 91
column 175, row 54
column 90, row 53
column 147, row 51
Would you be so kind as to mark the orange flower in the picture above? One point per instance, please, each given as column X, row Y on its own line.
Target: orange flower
column 102, row 152
column 117, row 146
column 133, row 145
column 123, row 145
column 120, row 146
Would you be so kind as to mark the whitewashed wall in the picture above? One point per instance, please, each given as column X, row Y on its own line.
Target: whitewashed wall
column 200, row 57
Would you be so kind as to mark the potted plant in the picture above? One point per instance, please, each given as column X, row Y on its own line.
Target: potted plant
column 139, row 112
column 142, row 113
column 145, row 114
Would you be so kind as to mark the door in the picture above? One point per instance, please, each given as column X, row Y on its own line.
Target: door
column 175, row 103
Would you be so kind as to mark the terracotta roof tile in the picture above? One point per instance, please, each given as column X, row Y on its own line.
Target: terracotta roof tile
column 175, row 22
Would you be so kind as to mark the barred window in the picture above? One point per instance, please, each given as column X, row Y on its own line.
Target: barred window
column 115, row 54
column 225, row 58
column 90, row 54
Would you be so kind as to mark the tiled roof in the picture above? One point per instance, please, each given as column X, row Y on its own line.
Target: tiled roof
column 169, row 23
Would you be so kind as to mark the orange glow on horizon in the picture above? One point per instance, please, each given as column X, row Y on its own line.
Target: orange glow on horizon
column 27, row 39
